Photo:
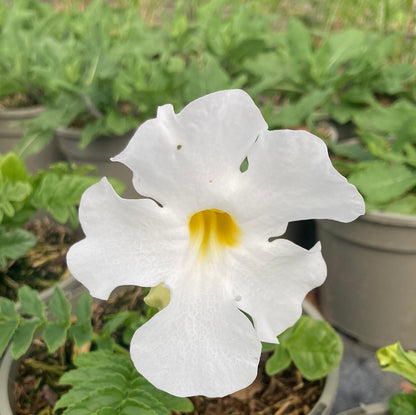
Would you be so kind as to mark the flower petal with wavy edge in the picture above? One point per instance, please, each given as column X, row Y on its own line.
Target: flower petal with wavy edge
column 207, row 239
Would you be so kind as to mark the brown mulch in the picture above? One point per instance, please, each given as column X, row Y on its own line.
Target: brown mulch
column 286, row 393
column 17, row 101
column 44, row 264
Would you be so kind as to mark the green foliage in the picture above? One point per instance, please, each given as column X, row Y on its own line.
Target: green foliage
column 105, row 69
column 382, row 164
column 24, row 22
column 19, row 326
column 403, row 404
column 394, row 359
column 336, row 76
column 312, row 345
column 117, row 384
column 57, row 190
column 117, row 387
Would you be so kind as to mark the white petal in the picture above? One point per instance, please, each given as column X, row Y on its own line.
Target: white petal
column 272, row 284
column 200, row 344
column 187, row 159
column 290, row 177
column 128, row 242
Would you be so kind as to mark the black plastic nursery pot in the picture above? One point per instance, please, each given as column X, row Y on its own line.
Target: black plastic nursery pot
column 11, row 131
column 98, row 154
column 370, row 289
column 9, row 367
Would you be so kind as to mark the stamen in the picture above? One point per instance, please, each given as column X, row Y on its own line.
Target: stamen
column 213, row 229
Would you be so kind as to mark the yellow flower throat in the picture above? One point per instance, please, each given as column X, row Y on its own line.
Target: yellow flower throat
column 213, row 229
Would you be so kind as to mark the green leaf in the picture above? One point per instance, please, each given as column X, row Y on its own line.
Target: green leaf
column 280, row 360
column 299, row 40
column 133, row 407
column 314, row 347
column 83, row 310
column 117, row 320
column 295, row 114
column 81, row 332
column 15, row 243
column 114, row 374
column 9, row 321
column 403, row 404
column 13, row 168
column 393, row 358
column 353, row 151
column 54, row 335
column 23, row 337
column 30, row 303
column 60, row 307
column 381, row 182
column 404, row 206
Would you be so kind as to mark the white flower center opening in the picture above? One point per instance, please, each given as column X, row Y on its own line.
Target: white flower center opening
column 212, row 229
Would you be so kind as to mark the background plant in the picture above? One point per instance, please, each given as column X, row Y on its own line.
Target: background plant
column 382, row 163
column 57, row 190
column 394, row 359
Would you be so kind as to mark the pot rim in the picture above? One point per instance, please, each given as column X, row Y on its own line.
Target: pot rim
column 16, row 114
column 389, row 218
column 372, row 409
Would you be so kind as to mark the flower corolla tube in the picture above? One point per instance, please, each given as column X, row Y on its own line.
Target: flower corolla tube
column 206, row 231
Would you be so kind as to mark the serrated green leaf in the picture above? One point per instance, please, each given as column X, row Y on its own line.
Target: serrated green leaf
column 60, row 307
column 404, row 206
column 15, row 243
column 80, row 333
column 172, row 402
column 81, row 378
column 9, row 321
column 73, row 395
column 54, row 336
column 117, row 320
column 30, row 303
column 353, row 151
column 145, row 398
column 97, row 399
column 7, row 330
column 403, row 404
column 114, row 372
column 133, row 407
column 280, row 360
column 381, row 182
column 23, row 336
column 295, row 114
column 314, row 347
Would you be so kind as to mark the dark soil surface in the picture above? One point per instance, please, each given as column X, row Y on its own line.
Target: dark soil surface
column 44, row 264
column 17, row 101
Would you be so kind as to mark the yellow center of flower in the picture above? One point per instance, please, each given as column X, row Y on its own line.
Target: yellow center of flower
column 212, row 229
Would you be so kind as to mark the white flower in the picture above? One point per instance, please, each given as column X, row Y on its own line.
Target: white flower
column 207, row 238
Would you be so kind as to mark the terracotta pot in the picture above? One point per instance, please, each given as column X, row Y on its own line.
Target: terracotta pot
column 11, row 131
column 370, row 289
column 98, row 154
column 9, row 368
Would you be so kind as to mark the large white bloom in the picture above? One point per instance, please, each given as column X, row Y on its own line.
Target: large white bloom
column 207, row 238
